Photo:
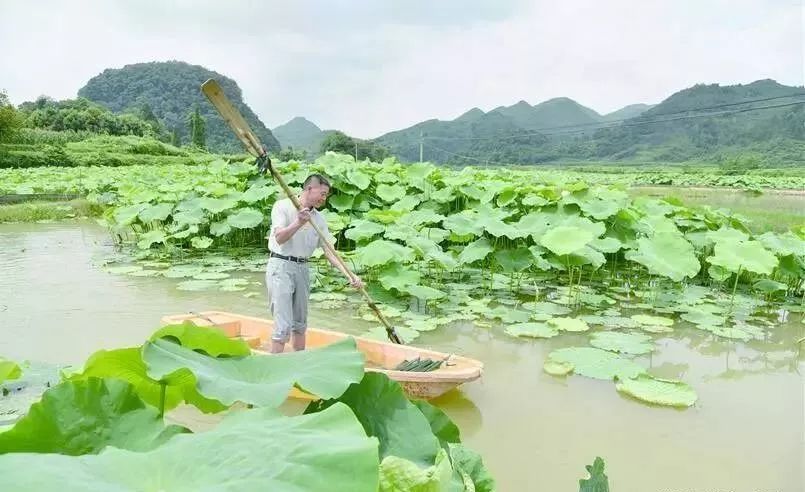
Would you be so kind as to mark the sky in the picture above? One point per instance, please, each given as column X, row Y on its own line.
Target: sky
column 367, row 67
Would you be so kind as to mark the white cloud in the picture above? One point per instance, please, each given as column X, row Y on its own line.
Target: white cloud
column 369, row 67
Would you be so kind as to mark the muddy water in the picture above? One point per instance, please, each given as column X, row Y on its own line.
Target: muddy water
column 536, row 432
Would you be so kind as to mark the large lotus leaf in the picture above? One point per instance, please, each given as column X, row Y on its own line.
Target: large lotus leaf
column 514, row 260
column 464, row 223
column 470, row 465
column 400, row 231
column 203, row 339
column 361, row 230
column 262, row 380
column 434, row 233
column 625, row 343
column 220, row 228
column 569, row 324
column 658, row 391
column 783, row 244
column 768, row 286
column 657, row 224
column 727, row 235
column 217, row 205
column 440, row 424
column 420, row 217
column 423, row 246
column 380, row 252
column 666, row 254
column 532, row 330
column 600, row 209
column 396, row 276
column 159, row 211
column 384, row 216
column 149, row 238
column 127, row 364
column 385, row 413
column 606, row 244
column 401, row 475
column 390, row 193
column 700, row 317
column 740, row 256
column 245, row 218
column 564, row 218
column 564, row 240
column 536, row 224
column 253, row 450
column 586, row 256
column 127, row 215
column 9, row 370
column 358, row 178
column 188, row 217
column 407, row 203
column 498, row 228
column 595, row 363
column 83, row 417
column 475, row 251
column 342, row 201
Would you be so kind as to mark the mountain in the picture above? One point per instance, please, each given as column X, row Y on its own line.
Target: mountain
column 171, row 90
column 301, row 134
column 700, row 122
column 627, row 112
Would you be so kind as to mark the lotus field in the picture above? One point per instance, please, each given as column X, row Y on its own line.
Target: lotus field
column 510, row 250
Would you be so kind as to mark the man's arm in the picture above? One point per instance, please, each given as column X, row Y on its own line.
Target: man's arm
column 354, row 280
column 283, row 234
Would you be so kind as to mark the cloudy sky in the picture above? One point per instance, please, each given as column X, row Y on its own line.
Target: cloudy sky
column 371, row 66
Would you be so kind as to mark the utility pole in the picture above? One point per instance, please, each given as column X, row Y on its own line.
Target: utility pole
column 420, row 146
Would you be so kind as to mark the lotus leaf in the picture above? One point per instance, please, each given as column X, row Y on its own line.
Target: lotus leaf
column 658, row 391
column 596, row 363
column 262, row 380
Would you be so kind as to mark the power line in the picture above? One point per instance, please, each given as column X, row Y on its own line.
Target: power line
column 615, row 123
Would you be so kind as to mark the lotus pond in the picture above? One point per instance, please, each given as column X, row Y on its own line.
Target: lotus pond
column 635, row 328
column 535, row 430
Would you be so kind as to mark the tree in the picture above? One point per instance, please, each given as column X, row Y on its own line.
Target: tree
column 197, row 129
column 338, row 142
column 10, row 120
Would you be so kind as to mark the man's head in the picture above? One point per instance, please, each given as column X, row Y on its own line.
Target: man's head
column 315, row 190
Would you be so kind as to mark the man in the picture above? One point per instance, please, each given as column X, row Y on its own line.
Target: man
column 291, row 242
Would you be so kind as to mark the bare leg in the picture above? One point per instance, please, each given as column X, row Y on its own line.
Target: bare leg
column 277, row 347
column 298, row 341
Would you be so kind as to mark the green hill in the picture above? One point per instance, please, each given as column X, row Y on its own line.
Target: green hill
column 301, row 134
column 171, row 90
column 680, row 128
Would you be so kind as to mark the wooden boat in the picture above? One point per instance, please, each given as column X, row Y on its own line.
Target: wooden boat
column 380, row 356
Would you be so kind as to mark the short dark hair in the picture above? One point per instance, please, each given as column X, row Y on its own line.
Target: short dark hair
column 316, row 179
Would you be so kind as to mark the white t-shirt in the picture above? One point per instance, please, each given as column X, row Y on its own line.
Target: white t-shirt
column 305, row 240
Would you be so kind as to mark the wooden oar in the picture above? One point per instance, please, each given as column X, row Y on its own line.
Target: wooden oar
column 235, row 120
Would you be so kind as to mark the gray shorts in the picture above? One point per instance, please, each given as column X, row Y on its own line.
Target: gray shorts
column 288, row 285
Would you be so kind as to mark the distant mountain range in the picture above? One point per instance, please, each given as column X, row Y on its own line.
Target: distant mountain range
column 680, row 128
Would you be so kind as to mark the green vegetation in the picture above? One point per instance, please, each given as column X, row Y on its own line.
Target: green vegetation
column 679, row 129
column 170, row 92
column 38, row 210
column 341, row 143
column 109, row 416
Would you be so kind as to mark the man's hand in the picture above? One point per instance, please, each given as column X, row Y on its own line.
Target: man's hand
column 356, row 282
column 303, row 216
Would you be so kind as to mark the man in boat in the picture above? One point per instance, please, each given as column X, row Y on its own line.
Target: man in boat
column 291, row 242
